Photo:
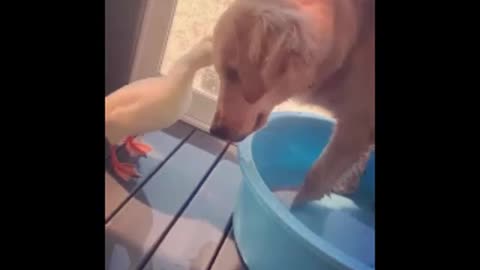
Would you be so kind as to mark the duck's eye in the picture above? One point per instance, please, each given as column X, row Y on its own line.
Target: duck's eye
column 232, row 75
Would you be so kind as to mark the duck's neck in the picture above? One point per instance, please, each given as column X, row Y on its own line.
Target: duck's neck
column 181, row 74
column 189, row 63
column 184, row 68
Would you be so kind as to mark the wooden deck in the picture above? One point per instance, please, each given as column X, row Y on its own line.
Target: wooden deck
column 177, row 215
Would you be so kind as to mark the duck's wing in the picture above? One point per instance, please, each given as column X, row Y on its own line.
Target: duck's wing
column 121, row 121
column 130, row 94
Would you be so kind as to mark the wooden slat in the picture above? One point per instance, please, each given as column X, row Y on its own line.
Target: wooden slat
column 133, row 232
column 193, row 240
column 228, row 257
column 163, row 143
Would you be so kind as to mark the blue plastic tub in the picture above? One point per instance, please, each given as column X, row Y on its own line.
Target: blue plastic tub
column 333, row 233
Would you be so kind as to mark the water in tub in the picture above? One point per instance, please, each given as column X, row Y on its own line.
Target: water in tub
column 345, row 223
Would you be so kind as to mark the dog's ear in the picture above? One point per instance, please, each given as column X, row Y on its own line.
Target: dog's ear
column 276, row 31
column 277, row 41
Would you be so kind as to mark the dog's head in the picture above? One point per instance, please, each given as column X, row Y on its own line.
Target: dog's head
column 264, row 54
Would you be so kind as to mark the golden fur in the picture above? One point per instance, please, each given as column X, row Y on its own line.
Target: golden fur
column 317, row 51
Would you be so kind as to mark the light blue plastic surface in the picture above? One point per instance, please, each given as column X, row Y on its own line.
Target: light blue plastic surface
column 333, row 233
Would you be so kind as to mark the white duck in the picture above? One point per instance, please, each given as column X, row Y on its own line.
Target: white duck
column 151, row 104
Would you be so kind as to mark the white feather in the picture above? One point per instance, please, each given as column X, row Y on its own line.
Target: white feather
column 155, row 103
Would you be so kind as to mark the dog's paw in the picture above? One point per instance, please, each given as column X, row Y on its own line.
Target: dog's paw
column 313, row 188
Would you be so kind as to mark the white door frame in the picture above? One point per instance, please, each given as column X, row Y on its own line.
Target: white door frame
column 150, row 50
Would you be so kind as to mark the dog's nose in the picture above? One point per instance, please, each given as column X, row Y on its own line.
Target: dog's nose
column 220, row 132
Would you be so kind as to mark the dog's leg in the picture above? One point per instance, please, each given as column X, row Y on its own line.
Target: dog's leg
column 348, row 145
column 349, row 183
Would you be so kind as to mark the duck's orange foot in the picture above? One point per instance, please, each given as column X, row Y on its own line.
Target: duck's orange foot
column 125, row 171
column 136, row 148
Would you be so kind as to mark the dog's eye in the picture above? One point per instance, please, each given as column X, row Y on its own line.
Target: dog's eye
column 231, row 74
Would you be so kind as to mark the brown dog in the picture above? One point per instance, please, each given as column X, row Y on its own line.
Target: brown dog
column 318, row 51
